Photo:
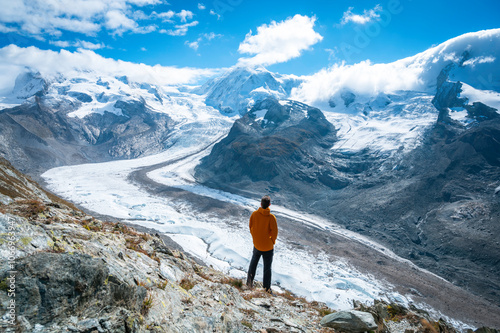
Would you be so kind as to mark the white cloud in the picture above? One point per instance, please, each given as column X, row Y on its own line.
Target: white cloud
column 39, row 18
column 367, row 16
column 331, row 54
column 416, row 73
column 212, row 12
column 14, row 60
column 89, row 45
column 61, row 43
column 361, row 78
column 4, row 29
column 279, row 42
column 165, row 16
column 118, row 22
column 144, row 49
column 479, row 60
column 185, row 15
column 201, row 6
column 78, row 44
column 206, row 36
column 180, row 29
column 211, row 36
column 194, row 45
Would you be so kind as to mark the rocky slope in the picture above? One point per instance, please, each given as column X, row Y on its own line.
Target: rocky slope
column 74, row 273
column 39, row 136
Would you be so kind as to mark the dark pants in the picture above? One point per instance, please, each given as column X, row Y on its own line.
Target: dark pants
column 268, row 260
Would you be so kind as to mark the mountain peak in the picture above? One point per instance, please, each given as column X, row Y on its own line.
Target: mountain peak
column 28, row 84
column 237, row 90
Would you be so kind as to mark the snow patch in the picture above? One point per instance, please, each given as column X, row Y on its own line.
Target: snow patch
column 260, row 114
column 487, row 97
column 459, row 114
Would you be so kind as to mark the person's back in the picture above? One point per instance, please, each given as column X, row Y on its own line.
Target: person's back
column 264, row 230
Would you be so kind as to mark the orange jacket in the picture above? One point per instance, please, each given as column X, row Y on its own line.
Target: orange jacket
column 264, row 229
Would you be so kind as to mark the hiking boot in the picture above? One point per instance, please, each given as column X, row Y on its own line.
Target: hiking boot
column 250, row 284
column 270, row 292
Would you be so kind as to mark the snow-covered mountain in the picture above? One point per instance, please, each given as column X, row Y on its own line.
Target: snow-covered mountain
column 472, row 58
column 56, row 119
column 237, row 90
column 360, row 100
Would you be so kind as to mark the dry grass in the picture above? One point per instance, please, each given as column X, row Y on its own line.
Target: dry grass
column 30, row 208
column 134, row 245
column 325, row 311
column 237, row 283
column 162, row 285
column 292, row 297
column 147, row 304
column 92, row 225
column 142, row 284
column 187, row 284
column 256, row 293
column 429, row 327
column 249, row 312
column 247, row 324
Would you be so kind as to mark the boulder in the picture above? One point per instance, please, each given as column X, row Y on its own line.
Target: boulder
column 52, row 286
column 350, row 321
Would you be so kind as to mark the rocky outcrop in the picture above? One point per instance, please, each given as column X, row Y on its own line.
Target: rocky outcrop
column 52, row 286
column 282, row 144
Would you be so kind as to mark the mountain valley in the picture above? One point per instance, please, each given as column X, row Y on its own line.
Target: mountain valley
column 400, row 179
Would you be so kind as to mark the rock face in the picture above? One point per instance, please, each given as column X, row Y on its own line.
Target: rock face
column 38, row 135
column 274, row 144
column 60, row 285
column 350, row 321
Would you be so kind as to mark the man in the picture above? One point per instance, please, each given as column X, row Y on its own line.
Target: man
column 264, row 230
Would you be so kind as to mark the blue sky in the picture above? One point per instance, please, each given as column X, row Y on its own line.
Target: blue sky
column 293, row 37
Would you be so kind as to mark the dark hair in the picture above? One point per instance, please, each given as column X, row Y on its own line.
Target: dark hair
column 265, row 201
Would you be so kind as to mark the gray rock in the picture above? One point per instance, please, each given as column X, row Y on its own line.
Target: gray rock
column 54, row 286
column 24, row 325
column 348, row 98
column 350, row 321
column 89, row 325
